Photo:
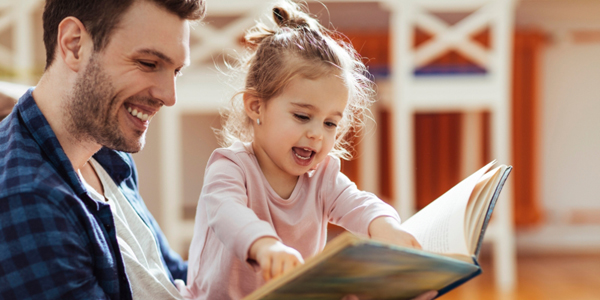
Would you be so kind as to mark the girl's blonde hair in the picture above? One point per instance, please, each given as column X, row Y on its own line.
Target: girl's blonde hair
column 299, row 46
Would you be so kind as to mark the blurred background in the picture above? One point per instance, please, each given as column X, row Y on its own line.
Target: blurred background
column 460, row 82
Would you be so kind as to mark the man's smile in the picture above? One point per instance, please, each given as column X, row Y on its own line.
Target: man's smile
column 141, row 113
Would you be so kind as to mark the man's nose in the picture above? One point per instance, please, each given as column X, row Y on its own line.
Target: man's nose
column 165, row 89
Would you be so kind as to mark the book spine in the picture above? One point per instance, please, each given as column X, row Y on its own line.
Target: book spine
column 491, row 208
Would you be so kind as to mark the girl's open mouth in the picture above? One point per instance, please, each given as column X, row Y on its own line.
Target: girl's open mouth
column 303, row 156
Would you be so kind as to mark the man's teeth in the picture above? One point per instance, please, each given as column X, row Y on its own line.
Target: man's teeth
column 138, row 114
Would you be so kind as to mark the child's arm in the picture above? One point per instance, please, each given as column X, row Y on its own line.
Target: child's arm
column 274, row 257
column 361, row 212
column 388, row 229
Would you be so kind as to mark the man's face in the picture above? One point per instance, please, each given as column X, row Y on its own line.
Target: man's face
column 124, row 85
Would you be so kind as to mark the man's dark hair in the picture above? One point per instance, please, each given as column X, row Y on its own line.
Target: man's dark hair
column 101, row 16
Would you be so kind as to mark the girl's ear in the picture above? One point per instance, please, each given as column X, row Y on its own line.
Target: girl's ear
column 74, row 44
column 252, row 106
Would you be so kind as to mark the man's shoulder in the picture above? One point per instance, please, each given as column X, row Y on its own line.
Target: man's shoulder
column 13, row 135
column 24, row 169
column 35, row 183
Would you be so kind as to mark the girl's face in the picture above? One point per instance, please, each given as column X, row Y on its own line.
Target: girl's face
column 298, row 127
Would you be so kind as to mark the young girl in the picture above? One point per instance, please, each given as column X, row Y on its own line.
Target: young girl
column 268, row 196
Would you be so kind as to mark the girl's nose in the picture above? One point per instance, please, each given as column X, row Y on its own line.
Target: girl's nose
column 315, row 132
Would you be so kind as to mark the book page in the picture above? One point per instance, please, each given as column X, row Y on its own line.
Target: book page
column 477, row 201
column 481, row 209
column 439, row 227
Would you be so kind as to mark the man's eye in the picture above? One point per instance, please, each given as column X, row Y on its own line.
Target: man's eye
column 301, row 117
column 148, row 64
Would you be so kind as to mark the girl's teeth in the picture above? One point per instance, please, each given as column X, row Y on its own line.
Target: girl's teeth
column 303, row 153
column 301, row 157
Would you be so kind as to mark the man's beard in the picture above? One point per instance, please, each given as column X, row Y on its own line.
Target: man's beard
column 93, row 112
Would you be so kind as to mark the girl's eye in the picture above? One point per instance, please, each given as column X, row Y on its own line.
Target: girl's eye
column 301, row 117
column 330, row 124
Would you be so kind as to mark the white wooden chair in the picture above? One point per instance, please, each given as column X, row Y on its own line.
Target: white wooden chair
column 470, row 94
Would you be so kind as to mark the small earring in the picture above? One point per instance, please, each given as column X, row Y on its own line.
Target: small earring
column 258, row 121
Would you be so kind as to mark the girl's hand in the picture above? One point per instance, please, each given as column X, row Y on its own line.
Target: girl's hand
column 274, row 257
column 387, row 229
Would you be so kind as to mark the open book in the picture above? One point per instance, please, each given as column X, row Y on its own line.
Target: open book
column 450, row 229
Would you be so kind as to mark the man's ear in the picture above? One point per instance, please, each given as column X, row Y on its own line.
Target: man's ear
column 74, row 44
column 252, row 106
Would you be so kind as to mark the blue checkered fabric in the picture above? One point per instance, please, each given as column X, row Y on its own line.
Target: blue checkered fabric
column 56, row 242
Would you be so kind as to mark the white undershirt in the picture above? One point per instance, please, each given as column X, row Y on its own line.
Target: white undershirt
column 146, row 273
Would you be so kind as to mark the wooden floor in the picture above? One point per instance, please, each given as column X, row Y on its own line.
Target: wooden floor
column 539, row 277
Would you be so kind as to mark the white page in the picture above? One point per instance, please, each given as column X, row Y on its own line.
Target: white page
column 481, row 211
column 439, row 227
column 477, row 200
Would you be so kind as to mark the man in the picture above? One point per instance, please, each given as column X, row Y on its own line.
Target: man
column 72, row 222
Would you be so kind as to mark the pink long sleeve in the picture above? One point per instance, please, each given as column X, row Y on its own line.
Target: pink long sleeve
column 351, row 208
column 226, row 207
column 238, row 206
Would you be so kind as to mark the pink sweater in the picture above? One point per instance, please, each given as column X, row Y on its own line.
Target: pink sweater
column 238, row 206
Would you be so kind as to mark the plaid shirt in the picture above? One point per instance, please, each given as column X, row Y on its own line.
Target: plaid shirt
column 56, row 242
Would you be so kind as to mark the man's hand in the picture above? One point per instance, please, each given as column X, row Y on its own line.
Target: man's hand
column 274, row 257
column 387, row 229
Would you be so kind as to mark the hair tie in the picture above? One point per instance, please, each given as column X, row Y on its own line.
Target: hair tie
column 278, row 14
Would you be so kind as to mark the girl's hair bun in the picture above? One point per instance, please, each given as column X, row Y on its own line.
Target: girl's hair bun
column 287, row 15
column 283, row 18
